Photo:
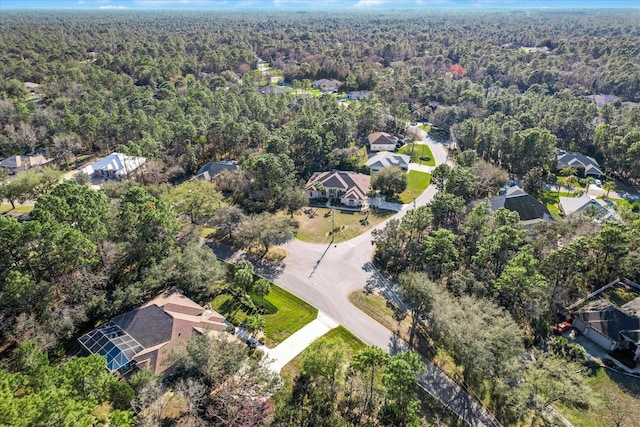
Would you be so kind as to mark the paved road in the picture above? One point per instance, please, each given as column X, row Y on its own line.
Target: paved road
column 325, row 276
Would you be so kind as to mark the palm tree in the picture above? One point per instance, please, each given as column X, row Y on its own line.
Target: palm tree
column 609, row 185
column 243, row 275
column 255, row 323
column 262, row 287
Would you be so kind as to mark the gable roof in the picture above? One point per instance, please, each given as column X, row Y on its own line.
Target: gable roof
column 117, row 164
column 610, row 320
column 386, row 159
column 516, row 199
column 575, row 160
column 355, row 185
column 382, row 138
column 212, row 169
column 26, row 162
column 602, row 99
column 153, row 327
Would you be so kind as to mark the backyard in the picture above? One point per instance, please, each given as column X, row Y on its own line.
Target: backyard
column 284, row 313
column 315, row 223
column 420, row 153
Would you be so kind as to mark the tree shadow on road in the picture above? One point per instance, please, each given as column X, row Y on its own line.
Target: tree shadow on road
column 382, row 286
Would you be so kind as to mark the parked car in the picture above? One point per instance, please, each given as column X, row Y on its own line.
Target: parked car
column 561, row 328
column 597, row 182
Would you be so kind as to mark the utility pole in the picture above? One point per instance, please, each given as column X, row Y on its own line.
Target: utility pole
column 333, row 223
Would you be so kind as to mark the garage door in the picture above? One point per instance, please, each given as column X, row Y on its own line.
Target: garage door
column 603, row 341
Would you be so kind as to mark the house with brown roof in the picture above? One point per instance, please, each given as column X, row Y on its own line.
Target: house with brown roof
column 15, row 164
column 144, row 337
column 350, row 188
column 382, row 141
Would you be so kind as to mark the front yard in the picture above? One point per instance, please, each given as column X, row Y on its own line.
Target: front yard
column 315, row 223
column 341, row 334
column 284, row 313
column 420, row 153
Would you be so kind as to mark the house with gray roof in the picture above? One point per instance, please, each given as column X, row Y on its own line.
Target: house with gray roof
column 385, row 159
column 326, row 85
column 610, row 326
column 597, row 208
column 212, row 170
column 584, row 165
column 350, row 188
column 530, row 210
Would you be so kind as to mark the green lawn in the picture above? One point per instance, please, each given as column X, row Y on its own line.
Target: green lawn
column 353, row 343
column 284, row 313
column 348, row 224
column 420, row 153
column 624, row 395
column 425, row 128
column 417, row 182
column 19, row 210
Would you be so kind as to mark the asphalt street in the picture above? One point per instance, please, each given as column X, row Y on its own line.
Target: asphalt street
column 325, row 275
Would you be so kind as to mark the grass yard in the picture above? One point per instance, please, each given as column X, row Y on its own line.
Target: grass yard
column 353, row 343
column 417, row 182
column 425, row 128
column 612, row 394
column 19, row 210
column 420, row 153
column 316, row 229
column 284, row 314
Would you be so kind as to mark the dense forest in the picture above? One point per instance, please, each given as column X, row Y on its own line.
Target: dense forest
column 181, row 89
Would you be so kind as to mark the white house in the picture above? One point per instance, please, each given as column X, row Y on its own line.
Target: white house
column 600, row 209
column 114, row 166
column 349, row 187
column 385, row 159
column 382, row 141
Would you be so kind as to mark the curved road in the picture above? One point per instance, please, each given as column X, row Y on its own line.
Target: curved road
column 325, row 275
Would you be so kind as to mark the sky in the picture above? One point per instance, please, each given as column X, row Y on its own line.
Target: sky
column 308, row 4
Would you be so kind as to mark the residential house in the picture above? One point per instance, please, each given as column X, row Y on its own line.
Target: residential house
column 385, row 159
column 145, row 336
column 114, row 166
column 382, row 141
column 584, row 165
column 212, row 170
column 610, row 326
column 350, row 188
column 15, row 164
column 326, row 85
column 530, row 210
column 32, row 87
column 597, row 208
column 357, row 95
column 278, row 90
column 601, row 99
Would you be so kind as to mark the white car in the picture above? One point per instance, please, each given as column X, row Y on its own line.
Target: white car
column 597, row 182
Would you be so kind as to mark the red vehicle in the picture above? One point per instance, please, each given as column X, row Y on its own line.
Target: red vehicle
column 561, row 328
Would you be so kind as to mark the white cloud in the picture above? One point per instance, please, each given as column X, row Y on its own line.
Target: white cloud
column 367, row 3
column 163, row 3
column 80, row 1
column 112, row 6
